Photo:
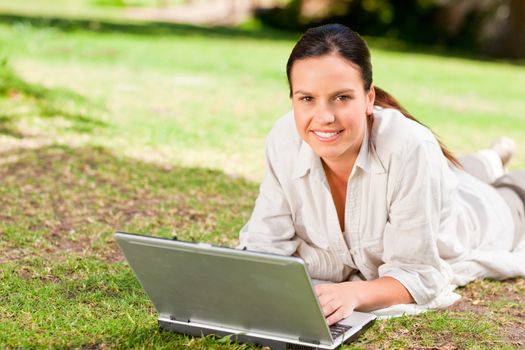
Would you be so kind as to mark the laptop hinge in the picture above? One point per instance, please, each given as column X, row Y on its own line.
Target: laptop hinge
column 311, row 341
column 173, row 318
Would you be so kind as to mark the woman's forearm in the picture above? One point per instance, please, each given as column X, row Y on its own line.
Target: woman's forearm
column 379, row 293
column 338, row 300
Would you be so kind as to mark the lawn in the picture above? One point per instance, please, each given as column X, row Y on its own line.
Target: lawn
column 112, row 124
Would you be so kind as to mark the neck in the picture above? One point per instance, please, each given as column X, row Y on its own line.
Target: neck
column 338, row 170
column 341, row 167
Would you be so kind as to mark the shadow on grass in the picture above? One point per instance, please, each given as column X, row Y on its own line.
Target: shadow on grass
column 42, row 102
column 8, row 128
column 143, row 27
column 154, row 337
column 60, row 199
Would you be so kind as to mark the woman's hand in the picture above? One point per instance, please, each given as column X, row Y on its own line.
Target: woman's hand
column 338, row 300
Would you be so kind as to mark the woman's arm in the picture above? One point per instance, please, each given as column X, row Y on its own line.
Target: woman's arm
column 270, row 227
column 339, row 300
column 411, row 270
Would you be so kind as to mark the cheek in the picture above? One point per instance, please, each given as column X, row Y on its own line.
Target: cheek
column 301, row 123
column 358, row 111
column 356, row 123
column 301, row 117
column 298, row 107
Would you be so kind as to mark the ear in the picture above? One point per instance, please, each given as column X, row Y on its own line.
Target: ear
column 370, row 99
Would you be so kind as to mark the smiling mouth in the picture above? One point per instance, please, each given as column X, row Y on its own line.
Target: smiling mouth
column 327, row 135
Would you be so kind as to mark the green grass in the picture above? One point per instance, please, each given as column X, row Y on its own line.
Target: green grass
column 80, row 8
column 108, row 124
column 98, row 304
column 63, row 283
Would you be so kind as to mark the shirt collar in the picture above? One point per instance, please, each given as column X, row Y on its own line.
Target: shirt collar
column 306, row 160
column 367, row 160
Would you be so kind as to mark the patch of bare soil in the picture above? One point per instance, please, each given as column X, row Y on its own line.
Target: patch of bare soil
column 503, row 302
column 28, row 274
column 202, row 12
column 8, row 253
column 79, row 197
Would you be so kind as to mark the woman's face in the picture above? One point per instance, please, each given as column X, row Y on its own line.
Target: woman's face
column 330, row 106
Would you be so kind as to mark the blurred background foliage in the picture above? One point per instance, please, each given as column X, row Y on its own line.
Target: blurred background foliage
column 493, row 28
column 136, row 3
column 490, row 28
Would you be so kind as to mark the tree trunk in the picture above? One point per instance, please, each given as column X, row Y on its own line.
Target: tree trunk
column 509, row 41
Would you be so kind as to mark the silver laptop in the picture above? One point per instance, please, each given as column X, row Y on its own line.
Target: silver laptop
column 259, row 298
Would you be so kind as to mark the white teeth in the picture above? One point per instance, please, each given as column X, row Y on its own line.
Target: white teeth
column 326, row 135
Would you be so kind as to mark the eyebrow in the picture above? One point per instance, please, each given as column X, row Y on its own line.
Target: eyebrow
column 338, row 92
column 301, row 92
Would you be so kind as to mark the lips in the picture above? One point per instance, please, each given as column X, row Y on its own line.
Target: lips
column 326, row 135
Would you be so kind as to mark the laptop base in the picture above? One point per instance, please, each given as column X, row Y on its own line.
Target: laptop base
column 200, row 330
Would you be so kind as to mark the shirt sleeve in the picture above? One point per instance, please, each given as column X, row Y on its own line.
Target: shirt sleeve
column 271, row 229
column 410, row 252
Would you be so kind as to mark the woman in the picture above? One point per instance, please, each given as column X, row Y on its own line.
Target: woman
column 369, row 198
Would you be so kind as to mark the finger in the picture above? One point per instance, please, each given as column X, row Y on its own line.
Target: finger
column 329, row 308
column 320, row 289
column 325, row 299
column 336, row 316
column 323, row 288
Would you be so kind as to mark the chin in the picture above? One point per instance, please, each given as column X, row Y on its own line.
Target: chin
column 327, row 154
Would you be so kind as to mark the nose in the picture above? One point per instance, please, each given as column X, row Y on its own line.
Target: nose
column 324, row 114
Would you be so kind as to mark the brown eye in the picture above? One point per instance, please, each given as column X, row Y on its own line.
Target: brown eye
column 306, row 98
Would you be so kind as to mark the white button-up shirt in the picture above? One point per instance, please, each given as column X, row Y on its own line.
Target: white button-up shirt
column 408, row 214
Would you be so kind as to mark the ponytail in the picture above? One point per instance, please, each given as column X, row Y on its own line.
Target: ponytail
column 385, row 100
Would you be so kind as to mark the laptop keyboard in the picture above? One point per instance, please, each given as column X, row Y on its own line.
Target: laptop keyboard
column 338, row 329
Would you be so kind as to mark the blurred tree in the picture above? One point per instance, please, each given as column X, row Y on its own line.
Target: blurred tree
column 496, row 27
column 508, row 39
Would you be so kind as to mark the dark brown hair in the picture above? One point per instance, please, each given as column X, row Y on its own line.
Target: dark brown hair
column 341, row 40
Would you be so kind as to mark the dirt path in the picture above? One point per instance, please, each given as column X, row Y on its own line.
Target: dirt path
column 202, row 12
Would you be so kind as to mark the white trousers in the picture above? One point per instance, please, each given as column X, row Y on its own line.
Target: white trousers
column 486, row 165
